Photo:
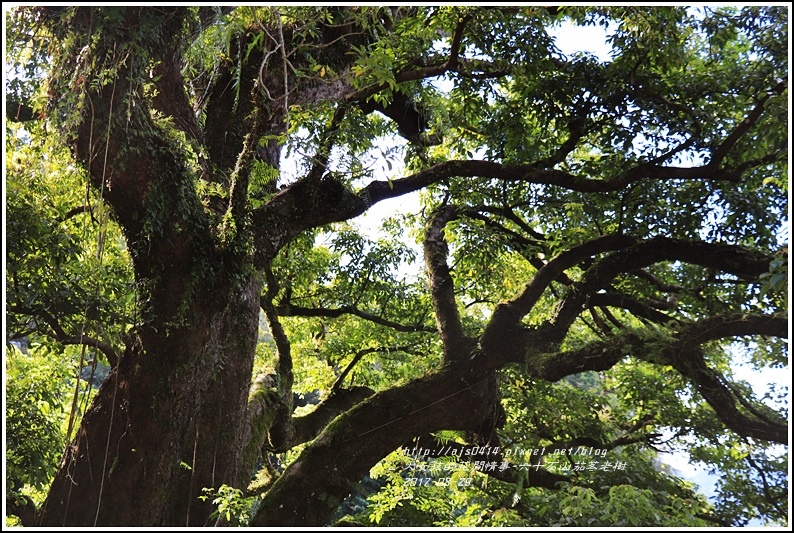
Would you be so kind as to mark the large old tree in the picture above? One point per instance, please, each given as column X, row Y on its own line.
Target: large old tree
column 603, row 244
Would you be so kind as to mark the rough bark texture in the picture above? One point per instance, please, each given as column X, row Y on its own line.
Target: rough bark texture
column 167, row 422
column 175, row 415
column 171, row 419
column 313, row 487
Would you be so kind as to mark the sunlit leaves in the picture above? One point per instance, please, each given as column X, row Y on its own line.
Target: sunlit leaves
column 676, row 90
column 753, row 482
column 348, row 272
column 67, row 274
column 35, row 397
column 66, row 260
column 231, row 505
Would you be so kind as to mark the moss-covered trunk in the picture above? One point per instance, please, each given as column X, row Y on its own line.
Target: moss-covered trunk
column 170, row 420
column 172, row 417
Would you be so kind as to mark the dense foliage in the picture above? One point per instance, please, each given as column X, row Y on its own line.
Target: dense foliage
column 581, row 253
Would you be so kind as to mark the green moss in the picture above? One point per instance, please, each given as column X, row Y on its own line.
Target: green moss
column 264, row 478
column 260, row 401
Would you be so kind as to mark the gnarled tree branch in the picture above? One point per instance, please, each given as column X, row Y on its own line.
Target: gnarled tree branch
column 442, row 288
column 735, row 260
column 282, row 429
column 308, row 426
column 690, row 362
column 683, row 352
column 368, row 432
column 637, row 308
column 304, row 206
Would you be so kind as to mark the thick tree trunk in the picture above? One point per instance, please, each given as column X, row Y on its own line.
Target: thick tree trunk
column 172, row 417
column 169, row 421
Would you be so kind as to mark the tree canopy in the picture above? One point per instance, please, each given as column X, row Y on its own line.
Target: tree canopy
column 201, row 329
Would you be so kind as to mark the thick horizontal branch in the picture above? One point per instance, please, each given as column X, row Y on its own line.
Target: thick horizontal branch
column 603, row 355
column 530, row 173
column 735, row 325
column 597, row 356
column 308, row 426
column 348, row 447
column 288, row 309
column 479, row 69
column 681, row 350
column 307, row 205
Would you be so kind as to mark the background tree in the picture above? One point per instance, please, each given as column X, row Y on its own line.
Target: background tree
column 602, row 240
